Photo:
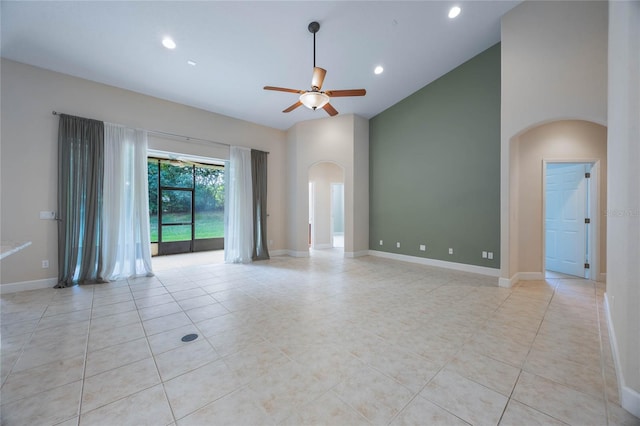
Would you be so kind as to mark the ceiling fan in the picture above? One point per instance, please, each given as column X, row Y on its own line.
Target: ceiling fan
column 315, row 98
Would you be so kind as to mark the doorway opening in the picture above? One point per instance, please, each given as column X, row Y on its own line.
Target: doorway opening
column 569, row 196
column 326, row 206
column 186, row 205
column 337, row 214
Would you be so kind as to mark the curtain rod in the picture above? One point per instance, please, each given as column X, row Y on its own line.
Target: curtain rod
column 188, row 138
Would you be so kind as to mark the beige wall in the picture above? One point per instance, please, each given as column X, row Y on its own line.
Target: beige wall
column 360, row 219
column 554, row 67
column 322, row 175
column 576, row 141
column 29, row 153
column 623, row 222
column 340, row 140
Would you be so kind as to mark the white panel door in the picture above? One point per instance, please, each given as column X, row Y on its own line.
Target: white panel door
column 566, row 207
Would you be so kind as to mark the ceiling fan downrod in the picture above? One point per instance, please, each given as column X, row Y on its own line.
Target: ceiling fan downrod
column 314, row 27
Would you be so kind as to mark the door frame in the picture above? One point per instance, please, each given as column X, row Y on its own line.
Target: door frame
column 331, row 217
column 195, row 244
column 312, row 214
column 175, row 247
column 593, row 210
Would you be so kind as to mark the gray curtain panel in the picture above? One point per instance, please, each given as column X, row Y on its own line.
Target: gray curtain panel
column 259, row 178
column 80, row 179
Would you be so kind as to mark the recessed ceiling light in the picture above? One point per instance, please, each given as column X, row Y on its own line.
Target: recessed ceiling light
column 192, row 63
column 454, row 11
column 378, row 70
column 168, row 43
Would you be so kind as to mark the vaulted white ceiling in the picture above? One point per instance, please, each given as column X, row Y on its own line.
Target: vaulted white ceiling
column 239, row 47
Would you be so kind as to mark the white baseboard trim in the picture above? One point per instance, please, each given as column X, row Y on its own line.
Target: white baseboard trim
column 529, row 276
column 520, row 276
column 482, row 270
column 28, row 285
column 278, row 252
column 354, row 254
column 294, row 253
column 506, row 282
column 629, row 398
column 322, row 246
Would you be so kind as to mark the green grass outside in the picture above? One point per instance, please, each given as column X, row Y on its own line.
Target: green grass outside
column 208, row 225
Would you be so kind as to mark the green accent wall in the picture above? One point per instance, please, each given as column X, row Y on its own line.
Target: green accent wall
column 434, row 167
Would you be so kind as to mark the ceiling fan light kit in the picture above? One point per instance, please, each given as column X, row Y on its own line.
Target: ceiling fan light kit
column 315, row 98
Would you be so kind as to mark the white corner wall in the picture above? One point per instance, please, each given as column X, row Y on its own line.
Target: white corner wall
column 29, row 154
column 623, row 247
column 361, row 185
column 554, row 67
column 572, row 60
column 341, row 140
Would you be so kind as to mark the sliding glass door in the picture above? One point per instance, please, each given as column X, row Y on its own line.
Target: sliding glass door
column 186, row 205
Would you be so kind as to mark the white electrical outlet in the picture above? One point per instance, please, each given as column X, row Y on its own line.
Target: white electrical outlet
column 490, row 255
column 484, row 254
column 45, row 264
column 47, row 215
column 450, row 251
column 380, row 242
column 423, row 247
column 398, row 244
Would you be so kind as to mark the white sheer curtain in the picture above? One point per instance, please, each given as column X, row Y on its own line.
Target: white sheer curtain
column 238, row 234
column 126, row 242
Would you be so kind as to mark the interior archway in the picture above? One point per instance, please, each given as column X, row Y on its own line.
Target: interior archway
column 557, row 141
column 326, row 206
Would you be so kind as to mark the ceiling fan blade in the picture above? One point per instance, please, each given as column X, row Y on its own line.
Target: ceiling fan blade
column 330, row 110
column 283, row 89
column 318, row 78
column 292, row 107
column 349, row 92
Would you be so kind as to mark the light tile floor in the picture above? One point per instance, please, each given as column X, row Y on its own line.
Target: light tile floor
column 321, row 340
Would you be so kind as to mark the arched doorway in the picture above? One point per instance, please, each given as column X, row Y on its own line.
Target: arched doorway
column 326, row 206
column 560, row 141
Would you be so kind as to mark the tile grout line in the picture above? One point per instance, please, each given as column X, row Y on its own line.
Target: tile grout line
column 510, row 397
column 553, row 293
column 27, row 340
column 86, row 354
column 560, row 383
column 555, row 287
column 162, row 381
column 600, row 343
column 114, row 368
column 443, row 367
column 155, row 363
column 504, row 409
column 129, row 363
